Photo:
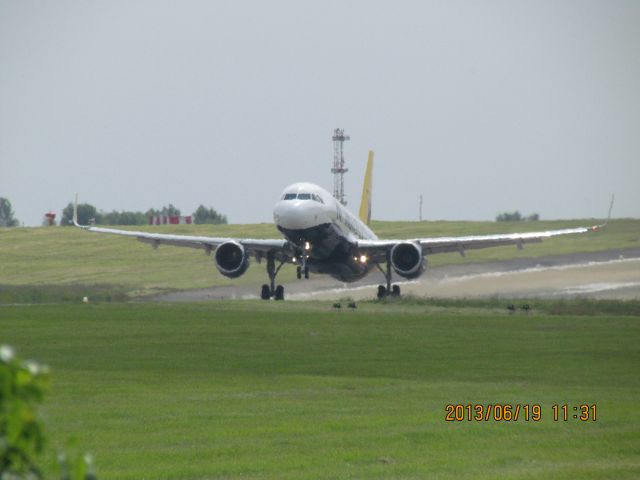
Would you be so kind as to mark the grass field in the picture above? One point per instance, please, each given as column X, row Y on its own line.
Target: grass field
column 299, row 391
column 63, row 257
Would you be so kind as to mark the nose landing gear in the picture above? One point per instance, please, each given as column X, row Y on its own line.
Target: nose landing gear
column 300, row 271
column 303, row 269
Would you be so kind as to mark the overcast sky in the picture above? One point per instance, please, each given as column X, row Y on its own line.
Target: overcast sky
column 481, row 106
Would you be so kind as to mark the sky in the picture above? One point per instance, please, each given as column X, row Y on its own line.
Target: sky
column 481, row 107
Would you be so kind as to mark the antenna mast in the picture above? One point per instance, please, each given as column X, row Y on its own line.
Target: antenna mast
column 338, row 169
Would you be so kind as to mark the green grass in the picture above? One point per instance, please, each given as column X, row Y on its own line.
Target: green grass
column 300, row 391
column 527, row 306
column 67, row 256
column 64, row 293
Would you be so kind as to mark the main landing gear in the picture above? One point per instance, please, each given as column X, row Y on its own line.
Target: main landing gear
column 388, row 290
column 277, row 292
column 271, row 290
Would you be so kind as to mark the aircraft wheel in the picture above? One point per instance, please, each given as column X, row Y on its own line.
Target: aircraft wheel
column 265, row 293
column 299, row 273
column 306, row 273
column 279, row 294
column 382, row 291
column 395, row 290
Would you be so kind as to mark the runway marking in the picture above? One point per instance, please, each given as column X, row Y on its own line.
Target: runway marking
column 539, row 268
column 596, row 287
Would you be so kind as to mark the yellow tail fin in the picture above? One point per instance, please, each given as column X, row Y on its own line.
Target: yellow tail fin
column 365, row 202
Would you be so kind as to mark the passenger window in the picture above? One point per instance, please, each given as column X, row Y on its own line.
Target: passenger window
column 289, row 196
column 304, row 196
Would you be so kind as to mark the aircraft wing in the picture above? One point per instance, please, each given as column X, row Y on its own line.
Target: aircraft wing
column 254, row 247
column 461, row 244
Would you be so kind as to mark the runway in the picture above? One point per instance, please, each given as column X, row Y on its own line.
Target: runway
column 612, row 274
column 613, row 279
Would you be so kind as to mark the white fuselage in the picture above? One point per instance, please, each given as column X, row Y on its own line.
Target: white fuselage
column 313, row 220
column 295, row 213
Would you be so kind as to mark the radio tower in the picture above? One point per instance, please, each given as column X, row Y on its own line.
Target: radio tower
column 338, row 169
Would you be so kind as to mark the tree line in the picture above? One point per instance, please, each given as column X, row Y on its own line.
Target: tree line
column 88, row 213
column 517, row 217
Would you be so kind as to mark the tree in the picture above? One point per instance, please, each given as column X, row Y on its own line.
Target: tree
column 86, row 214
column 123, row 218
column 208, row 215
column 509, row 217
column 6, row 214
column 167, row 210
column 517, row 217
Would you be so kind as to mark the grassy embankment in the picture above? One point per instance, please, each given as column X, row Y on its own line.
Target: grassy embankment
column 295, row 390
column 46, row 264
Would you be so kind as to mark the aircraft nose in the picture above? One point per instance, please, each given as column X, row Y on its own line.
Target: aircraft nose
column 295, row 215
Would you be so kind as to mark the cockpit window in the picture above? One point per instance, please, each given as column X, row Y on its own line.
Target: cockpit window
column 302, row 196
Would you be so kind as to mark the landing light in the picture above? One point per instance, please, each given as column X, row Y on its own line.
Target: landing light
column 363, row 259
column 307, row 246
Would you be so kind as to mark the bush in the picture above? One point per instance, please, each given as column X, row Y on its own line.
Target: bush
column 22, row 389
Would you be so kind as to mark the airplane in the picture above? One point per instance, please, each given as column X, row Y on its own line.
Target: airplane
column 321, row 236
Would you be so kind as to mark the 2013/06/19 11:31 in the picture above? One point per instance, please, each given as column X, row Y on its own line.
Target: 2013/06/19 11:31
column 508, row 412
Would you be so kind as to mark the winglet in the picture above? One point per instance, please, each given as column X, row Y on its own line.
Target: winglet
column 75, row 214
column 613, row 197
column 598, row 227
column 365, row 202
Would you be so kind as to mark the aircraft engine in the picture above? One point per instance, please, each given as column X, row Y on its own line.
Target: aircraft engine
column 407, row 260
column 231, row 259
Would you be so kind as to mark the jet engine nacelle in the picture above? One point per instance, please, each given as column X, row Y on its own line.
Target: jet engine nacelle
column 231, row 259
column 407, row 260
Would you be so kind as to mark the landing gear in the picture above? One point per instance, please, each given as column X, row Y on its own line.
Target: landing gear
column 388, row 290
column 271, row 290
column 279, row 293
column 303, row 269
column 299, row 272
column 383, row 292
